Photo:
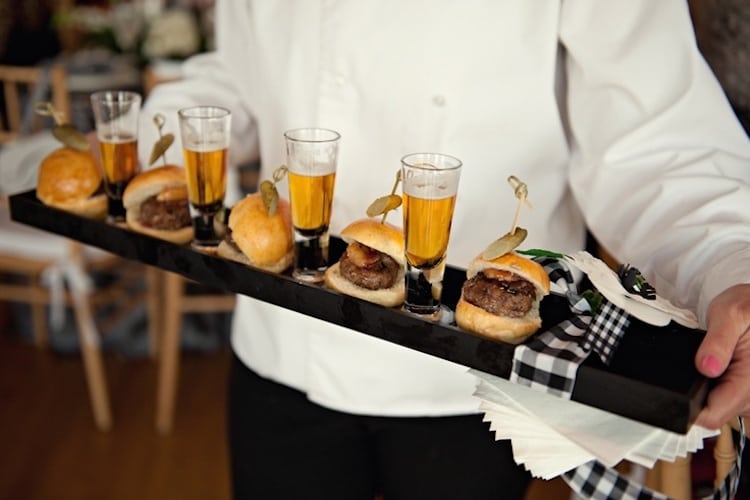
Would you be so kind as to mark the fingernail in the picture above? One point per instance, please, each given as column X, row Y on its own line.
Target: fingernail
column 711, row 365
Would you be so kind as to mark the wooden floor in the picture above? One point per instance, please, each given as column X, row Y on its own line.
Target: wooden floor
column 50, row 449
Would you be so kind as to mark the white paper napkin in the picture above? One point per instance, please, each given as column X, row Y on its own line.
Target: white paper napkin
column 658, row 311
column 551, row 435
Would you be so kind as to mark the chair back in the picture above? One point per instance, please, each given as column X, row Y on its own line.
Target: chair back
column 21, row 86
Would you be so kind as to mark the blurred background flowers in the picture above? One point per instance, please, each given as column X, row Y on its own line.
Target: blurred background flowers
column 147, row 30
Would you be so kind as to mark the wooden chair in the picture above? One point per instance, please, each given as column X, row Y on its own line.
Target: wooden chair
column 169, row 292
column 27, row 254
column 175, row 301
column 674, row 479
column 18, row 83
column 22, row 81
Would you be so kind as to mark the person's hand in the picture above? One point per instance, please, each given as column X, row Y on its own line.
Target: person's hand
column 725, row 352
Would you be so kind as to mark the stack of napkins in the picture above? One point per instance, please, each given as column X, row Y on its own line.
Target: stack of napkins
column 551, row 435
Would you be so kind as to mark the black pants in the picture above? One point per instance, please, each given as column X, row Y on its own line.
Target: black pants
column 285, row 447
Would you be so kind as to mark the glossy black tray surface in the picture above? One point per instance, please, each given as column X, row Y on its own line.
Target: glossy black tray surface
column 651, row 378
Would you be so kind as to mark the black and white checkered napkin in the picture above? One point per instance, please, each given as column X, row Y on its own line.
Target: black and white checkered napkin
column 594, row 480
column 606, row 330
column 549, row 362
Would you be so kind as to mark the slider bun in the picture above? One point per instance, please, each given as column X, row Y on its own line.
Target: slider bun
column 383, row 237
column 511, row 330
column 388, row 297
column 226, row 250
column 265, row 241
column 150, row 183
column 515, row 263
column 145, row 185
column 503, row 328
column 68, row 179
column 180, row 236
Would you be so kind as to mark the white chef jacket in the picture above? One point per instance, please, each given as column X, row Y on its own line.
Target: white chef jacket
column 604, row 108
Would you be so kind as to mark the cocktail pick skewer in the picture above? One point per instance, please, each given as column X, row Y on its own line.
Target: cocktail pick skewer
column 393, row 194
column 161, row 146
column 521, row 191
column 510, row 241
column 279, row 174
column 63, row 132
column 45, row 108
column 384, row 204
column 268, row 191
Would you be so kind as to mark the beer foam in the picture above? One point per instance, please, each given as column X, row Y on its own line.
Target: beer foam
column 206, row 146
column 315, row 170
column 118, row 138
column 429, row 190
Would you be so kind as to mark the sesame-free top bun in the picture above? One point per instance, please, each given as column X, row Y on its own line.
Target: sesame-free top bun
column 384, row 238
column 151, row 183
column 504, row 328
column 70, row 180
column 265, row 241
column 515, row 263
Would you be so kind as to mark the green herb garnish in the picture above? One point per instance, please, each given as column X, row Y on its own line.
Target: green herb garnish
column 594, row 299
column 538, row 252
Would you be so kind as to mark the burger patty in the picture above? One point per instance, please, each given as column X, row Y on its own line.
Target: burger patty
column 380, row 272
column 165, row 215
column 239, row 255
column 230, row 241
column 513, row 298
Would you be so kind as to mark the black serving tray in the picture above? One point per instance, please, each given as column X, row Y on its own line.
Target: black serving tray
column 651, row 378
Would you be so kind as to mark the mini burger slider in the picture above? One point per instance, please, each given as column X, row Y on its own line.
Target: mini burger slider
column 256, row 238
column 372, row 267
column 156, row 203
column 500, row 299
column 70, row 180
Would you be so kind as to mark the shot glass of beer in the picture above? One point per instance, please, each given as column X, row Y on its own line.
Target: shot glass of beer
column 116, row 118
column 430, row 183
column 205, row 132
column 312, row 156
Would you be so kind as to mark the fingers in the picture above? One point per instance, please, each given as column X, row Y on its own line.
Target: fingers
column 723, row 405
column 728, row 318
column 715, row 352
column 725, row 351
column 731, row 395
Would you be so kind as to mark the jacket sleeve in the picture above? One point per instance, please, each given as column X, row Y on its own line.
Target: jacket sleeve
column 660, row 165
column 208, row 79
